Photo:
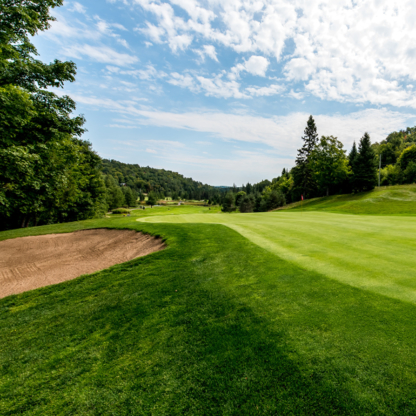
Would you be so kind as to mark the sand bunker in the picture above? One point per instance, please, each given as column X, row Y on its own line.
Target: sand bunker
column 30, row 262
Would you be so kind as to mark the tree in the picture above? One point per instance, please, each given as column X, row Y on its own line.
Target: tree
column 152, row 199
column 365, row 169
column 228, row 203
column 303, row 175
column 247, row 203
column 43, row 162
column 238, row 197
column 407, row 156
column 407, row 164
column 129, row 198
column 329, row 163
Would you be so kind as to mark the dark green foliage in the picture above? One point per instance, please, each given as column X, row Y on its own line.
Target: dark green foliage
column 47, row 174
column 409, row 174
column 274, row 200
column 161, row 181
column 408, row 155
column 303, row 175
column 152, row 199
column 238, row 197
column 365, row 169
column 120, row 211
column 114, row 194
column 130, row 198
column 228, row 203
column 352, row 157
column 247, row 203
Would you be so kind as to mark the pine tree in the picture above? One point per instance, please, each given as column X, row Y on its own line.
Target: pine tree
column 365, row 167
column 352, row 156
column 303, row 174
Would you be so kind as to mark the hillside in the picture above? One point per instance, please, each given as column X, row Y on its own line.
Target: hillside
column 164, row 182
column 392, row 200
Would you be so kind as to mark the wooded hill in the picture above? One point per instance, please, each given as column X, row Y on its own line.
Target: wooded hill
column 160, row 181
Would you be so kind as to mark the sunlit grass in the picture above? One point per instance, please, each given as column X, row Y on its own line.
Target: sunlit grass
column 391, row 200
column 222, row 324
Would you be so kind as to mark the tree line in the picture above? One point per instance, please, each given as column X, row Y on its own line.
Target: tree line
column 156, row 183
column 324, row 168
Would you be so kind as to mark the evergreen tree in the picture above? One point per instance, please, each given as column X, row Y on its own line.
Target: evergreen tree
column 228, row 203
column 352, row 156
column 303, row 173
column 129, row 198
column 365, row 166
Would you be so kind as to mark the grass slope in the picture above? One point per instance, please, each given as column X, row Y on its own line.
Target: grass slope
column 392, row 200
column 213, row 325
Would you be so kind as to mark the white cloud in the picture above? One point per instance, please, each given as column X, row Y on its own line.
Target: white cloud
column 207, row 50
column 102, row 54
column 151, row 151
column 348, row 51
column 77, row 7
column 257, row 65
column 265, row 91
column 282, row 133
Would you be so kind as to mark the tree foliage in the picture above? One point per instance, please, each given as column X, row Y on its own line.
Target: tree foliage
column 329, row 163
column 365, row 169
column 47, row 173
column 303, row 174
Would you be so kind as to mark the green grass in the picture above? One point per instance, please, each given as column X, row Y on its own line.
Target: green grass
column 392, row 200
column 370, row 252
column 219, row 324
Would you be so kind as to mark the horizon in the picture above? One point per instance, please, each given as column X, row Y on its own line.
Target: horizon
column 217, row 90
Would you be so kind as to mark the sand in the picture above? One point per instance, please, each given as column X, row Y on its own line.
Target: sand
column 31, row 262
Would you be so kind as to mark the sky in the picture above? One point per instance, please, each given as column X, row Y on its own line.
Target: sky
column 221, row 90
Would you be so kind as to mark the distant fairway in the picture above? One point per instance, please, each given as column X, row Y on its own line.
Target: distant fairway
column 370, row 252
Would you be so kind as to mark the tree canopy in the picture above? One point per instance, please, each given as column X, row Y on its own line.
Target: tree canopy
column 47, row 173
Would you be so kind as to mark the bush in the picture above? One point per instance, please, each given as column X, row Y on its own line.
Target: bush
column 120, row 211
column 247, row 203
column 275, row 199
column 228, row 204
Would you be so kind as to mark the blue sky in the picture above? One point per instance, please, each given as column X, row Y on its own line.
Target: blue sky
column 220, row 90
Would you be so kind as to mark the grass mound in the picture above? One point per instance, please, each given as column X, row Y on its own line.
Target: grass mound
column 392, row 200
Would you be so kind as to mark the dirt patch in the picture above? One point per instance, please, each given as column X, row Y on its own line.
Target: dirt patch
column 27, row 263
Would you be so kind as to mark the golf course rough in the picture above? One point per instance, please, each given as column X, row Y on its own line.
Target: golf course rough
column 374, row 253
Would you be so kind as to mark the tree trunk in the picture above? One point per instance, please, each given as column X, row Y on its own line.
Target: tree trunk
column 24, row 221
column 327, row 191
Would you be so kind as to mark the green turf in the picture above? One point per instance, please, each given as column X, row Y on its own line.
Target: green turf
column 216, row 325
column 391, row 200
column 370, row 252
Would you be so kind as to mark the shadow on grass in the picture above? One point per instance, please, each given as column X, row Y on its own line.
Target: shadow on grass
column 152, row 337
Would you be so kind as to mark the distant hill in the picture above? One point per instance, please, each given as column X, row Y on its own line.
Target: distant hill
column 390, row 200
column 164, row 182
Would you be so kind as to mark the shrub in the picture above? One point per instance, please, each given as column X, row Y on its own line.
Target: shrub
column 120, row 211
column 247, row 203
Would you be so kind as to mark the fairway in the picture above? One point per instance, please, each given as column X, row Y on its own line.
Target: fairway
column 370, row 252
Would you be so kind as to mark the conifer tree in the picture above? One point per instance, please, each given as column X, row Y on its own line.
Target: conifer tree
column 353, row 155
column 365, row 167
column 303, row 174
